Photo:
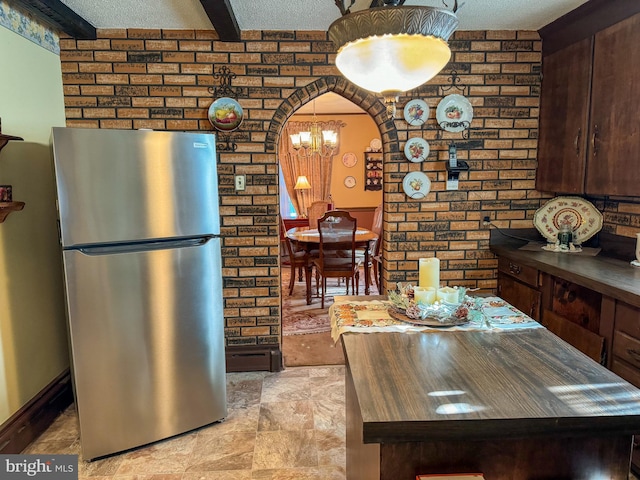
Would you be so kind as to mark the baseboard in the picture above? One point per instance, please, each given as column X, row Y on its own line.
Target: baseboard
column 28, row 423
column 251, row 358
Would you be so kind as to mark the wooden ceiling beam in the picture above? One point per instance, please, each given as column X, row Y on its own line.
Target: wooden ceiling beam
column 223, row 19
column 58, row 16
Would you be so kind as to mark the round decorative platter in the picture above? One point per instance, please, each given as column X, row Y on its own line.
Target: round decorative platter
column 350, row 182
column 584, row 218
column 349, row 159
column 416, row 185
column 416, row 149
column 454, row 113
column 376, row 144
column 416, row 112
column 426, row 322
column 225, row 114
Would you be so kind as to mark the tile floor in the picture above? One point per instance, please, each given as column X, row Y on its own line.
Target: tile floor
column 280, row 426
column 288, row 425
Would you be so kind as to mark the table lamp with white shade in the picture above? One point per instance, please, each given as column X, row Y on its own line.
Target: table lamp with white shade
column 302, row 183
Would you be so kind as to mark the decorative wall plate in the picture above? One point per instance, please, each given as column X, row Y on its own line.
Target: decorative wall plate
column 416, row 185
column 584, row 218
column 416, row 149
column 225, row 114
column 454, row 113
column 376, row 144
column 349, row 159
column 416, row 112
column 350, row 182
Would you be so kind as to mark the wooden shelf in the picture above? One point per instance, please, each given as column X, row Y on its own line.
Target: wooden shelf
column 7, row 207
column 4, row 139
column 373, row 170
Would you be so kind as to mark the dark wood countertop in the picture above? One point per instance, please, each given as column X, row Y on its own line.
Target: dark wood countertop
column 483, row 385
column 607, row 275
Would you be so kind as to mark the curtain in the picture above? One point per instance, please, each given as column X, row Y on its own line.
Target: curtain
column 315, row 166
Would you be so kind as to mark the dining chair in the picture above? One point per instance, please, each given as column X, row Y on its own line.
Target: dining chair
column 337, row 230
column 300, row 260
column 374, row 247
column 315, row 211
column 377, row 246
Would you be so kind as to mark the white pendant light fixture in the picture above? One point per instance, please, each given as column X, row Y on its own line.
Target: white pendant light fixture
column 392, row 49
column 314, row 140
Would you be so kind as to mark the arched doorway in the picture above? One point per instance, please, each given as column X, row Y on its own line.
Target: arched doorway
column 368, row 102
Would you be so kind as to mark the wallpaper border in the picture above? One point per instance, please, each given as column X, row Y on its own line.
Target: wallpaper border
column 28, row 27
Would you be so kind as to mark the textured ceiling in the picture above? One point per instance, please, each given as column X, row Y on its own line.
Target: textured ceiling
column 309, row 14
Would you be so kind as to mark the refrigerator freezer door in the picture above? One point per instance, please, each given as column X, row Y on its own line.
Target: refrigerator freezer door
column 126, row 185
column 147, row 344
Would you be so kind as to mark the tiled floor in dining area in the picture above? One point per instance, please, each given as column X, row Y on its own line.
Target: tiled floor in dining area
column 288, row 425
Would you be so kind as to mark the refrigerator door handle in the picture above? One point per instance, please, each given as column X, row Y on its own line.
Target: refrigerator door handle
column 144, row 247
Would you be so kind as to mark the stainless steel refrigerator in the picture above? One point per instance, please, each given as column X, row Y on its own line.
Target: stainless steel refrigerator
column 139, row 228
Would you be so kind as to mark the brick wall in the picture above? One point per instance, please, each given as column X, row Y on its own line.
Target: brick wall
column 160, row 79
column 620, row 217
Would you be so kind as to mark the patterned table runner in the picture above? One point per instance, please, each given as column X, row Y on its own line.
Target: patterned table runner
column 372, row 316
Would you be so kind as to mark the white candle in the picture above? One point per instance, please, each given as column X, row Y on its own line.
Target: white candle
column 424, row 295
column 429, row 273
column 448, row 294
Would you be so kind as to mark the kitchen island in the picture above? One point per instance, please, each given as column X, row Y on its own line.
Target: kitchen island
column 509, row 404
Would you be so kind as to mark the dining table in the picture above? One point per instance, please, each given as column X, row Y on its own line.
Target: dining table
column 308, row 239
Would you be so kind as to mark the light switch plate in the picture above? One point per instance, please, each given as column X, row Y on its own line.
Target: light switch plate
column 241, row 181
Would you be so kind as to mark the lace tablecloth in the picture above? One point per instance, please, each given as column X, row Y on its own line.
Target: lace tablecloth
column 372, row 316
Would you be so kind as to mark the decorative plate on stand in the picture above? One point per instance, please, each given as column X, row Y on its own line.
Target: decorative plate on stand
column 416, row 112
column 416, row 185
column 454, row 113
column 584, row 218
column 416, row 149
column 225, row 114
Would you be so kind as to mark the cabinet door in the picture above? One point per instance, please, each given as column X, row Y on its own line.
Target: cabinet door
column 614, row 144
column 521, row 296
column 576, row 303
column 564, row 108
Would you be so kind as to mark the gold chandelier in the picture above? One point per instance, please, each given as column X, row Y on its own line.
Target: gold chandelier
column 316, row 139
column 393, row 48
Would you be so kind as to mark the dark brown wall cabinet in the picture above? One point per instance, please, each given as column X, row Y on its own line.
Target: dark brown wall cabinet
column 589, row 139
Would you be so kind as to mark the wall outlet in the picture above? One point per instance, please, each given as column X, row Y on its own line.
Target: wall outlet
column 241, row 182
